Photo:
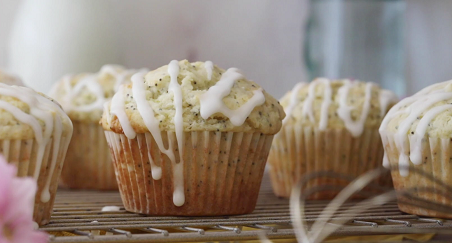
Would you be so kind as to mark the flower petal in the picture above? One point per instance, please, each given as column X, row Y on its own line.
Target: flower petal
column 21, row 201
column 7, row 173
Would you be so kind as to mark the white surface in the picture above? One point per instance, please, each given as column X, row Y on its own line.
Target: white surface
column 51, row 38
column 261, row 37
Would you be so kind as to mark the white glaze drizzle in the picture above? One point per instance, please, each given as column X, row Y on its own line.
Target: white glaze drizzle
column 48, row 112
column 209, row 68
column 293, row 101
column 416, row 139
column 174, row 87
column 308, row 108
column 211, row 101
column 152, row 124
column 414, row 107
column 90, row 82
column 118, row 108
column 344, row 110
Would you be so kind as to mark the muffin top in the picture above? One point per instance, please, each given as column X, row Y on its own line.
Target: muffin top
column 82, row 96
column 427, row 113
column 26, row 114
column 10, row 79
column 332, row 104
column 184, row 96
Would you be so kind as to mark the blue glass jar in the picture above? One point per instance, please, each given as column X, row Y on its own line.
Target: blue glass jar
column 360, row 39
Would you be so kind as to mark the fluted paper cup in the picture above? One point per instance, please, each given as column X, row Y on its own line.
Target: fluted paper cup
column 88, row 162
column 437, row 163
column 301, row 150
column 222, row 172
column 23, row 154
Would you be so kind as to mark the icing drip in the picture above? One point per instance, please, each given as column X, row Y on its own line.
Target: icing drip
column 152, row 124
column 414, row 107
column 293, row 101
column 416, row 139
column 386, row 161
column 209, row 67
column 44, row 110
column 174, row 87
column 118, row 109
column 212, row 100
column 344, row 110
column 308, row 103
column 109, row 209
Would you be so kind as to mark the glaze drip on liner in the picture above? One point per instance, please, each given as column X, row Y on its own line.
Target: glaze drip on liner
column 41, row 109
column 417, row 107
column 210, row 103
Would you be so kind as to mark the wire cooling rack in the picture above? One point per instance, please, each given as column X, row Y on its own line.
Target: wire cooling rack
column 78, row 217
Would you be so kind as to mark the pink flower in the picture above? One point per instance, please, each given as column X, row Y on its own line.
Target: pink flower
column 16, row 207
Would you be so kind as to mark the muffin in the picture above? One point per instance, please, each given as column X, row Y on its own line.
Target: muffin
column 34, row 136
column 190, row 139
column 88, row 162
column 331, row 125
column 10, row 79
column 417, row 134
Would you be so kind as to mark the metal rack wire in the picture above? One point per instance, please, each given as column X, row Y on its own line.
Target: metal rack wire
column 78, row 217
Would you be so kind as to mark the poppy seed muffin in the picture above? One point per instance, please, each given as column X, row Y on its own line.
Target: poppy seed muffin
column 82, row 96
column 190, row 139
column 331, row 125
column 34, row 136
column 416, row 133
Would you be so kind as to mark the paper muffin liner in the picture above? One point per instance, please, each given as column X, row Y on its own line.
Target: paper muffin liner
column 300, row 150
column 23, row 154
column 436, row 162
column 88, row 162
column 222, row 172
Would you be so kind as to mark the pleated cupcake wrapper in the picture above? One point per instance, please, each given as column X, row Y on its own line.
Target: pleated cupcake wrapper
column 23, row 154
column 222, row 172
column 300, row 150
column 436, row 162
column 88, row 162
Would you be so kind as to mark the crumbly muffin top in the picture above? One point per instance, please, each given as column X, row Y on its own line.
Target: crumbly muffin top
column 325, row 104
column 198, row 96
column 10, row 79
column 429, row 111
column 82, row 96
column 26, row 114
